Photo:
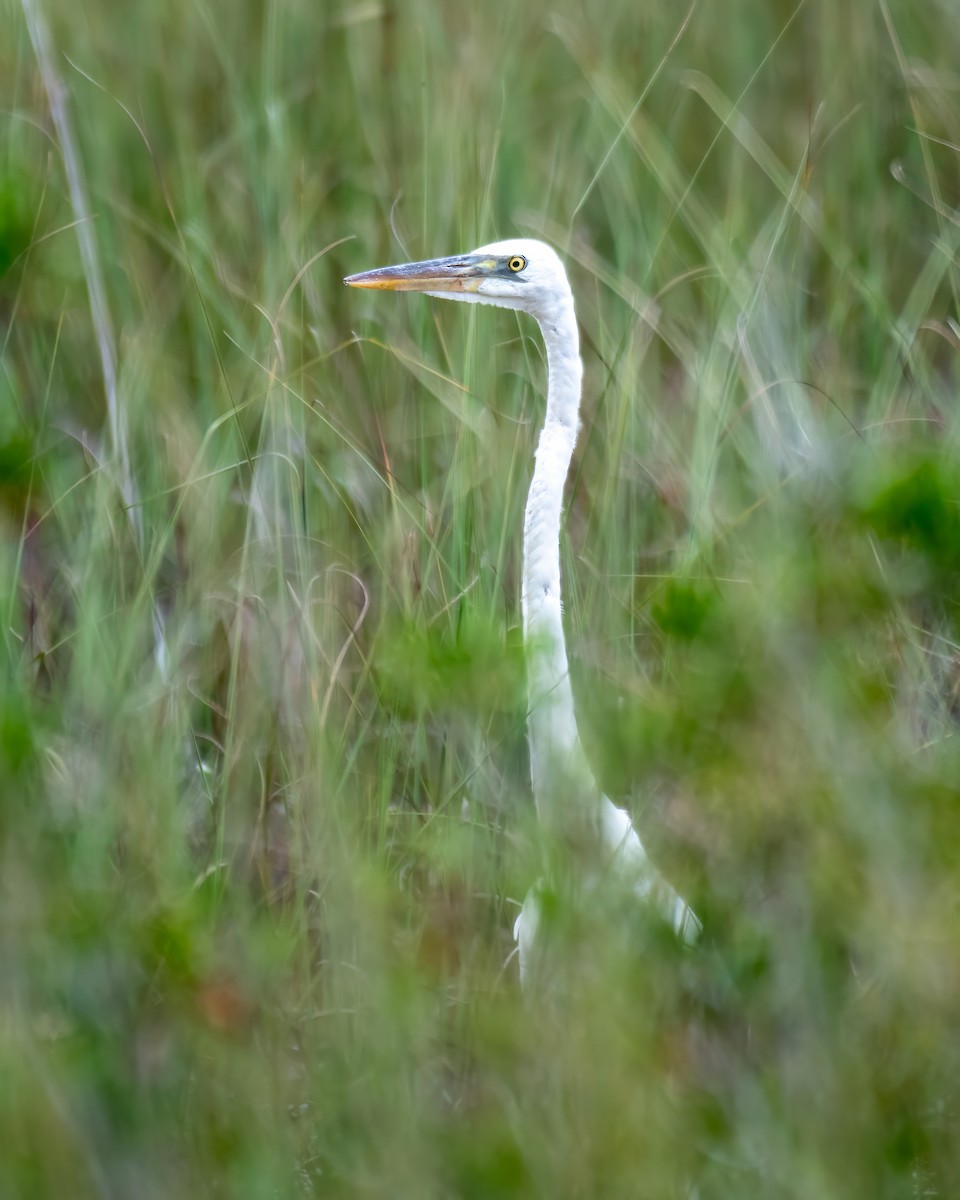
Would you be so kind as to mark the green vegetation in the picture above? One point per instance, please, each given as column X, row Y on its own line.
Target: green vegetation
column 258, row 877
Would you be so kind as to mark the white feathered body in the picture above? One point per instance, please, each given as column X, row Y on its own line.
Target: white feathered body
column 527, row 275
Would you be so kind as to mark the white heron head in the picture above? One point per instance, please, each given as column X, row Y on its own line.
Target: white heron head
column 518, row 273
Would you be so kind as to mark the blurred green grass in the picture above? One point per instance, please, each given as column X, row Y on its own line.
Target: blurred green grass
column 257, row 889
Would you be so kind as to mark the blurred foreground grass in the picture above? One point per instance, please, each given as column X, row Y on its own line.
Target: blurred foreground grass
column 258, row 875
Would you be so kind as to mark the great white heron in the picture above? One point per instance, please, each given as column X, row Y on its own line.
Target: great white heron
column 528, row 275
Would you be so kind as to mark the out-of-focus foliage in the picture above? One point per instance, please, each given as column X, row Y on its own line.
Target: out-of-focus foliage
column 258, row 872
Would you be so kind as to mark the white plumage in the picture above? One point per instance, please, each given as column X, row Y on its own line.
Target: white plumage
column 528, row 275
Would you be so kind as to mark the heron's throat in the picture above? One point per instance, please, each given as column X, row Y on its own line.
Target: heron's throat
column 556, row 758
column 564, row 367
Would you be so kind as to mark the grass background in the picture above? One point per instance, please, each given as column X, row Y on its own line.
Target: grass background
column 258, row 873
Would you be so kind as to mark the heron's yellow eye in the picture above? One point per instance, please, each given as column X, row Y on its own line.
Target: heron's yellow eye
column 517, row 263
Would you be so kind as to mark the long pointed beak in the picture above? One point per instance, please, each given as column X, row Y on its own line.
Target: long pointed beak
column 462, row 273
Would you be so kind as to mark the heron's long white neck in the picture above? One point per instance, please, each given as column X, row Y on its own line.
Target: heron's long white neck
column 557, row 763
